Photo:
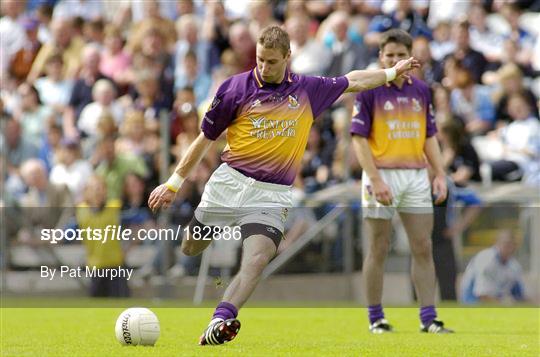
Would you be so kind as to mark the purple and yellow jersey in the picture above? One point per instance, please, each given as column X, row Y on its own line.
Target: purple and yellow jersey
column 396, row 122
column 268, row 124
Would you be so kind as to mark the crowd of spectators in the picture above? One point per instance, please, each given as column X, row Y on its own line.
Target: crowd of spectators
column 87, row 85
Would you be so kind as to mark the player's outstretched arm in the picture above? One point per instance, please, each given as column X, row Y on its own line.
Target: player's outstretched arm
column 379, row 188
column 434, row 157
column 164, row 194
column 366, row 79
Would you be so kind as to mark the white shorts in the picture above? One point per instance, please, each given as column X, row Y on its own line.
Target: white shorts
column 411, row 191
column 233, row 199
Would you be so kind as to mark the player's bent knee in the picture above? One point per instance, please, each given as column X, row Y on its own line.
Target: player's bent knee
column 190, row 245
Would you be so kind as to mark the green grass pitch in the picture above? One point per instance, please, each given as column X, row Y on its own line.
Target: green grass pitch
column 274, row 332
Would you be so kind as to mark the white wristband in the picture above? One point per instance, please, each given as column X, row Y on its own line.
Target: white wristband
column 174, row 182
column 390, row 74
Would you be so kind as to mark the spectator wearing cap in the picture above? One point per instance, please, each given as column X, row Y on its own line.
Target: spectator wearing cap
column 71, row 170
column 21, row 63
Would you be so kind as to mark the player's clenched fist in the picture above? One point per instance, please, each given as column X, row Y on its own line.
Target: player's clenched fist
column 382, row 192
column 440, row 189
column 160, row 197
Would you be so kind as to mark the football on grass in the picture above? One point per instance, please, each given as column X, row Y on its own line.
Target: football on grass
column 137, row 326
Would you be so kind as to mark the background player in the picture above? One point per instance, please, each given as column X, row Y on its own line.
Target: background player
column 268, row 113
column 393, row 129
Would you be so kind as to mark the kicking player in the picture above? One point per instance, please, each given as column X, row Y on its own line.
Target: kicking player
column 268, row 113
column 393, row 130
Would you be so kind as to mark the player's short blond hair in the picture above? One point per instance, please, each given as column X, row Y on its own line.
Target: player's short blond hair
column 275, row 37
